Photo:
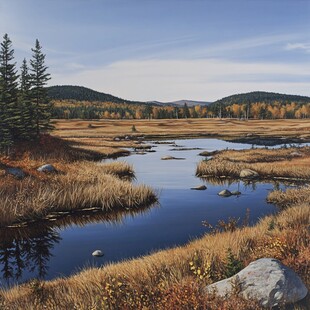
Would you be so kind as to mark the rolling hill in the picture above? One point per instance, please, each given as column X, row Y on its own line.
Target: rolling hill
column 180, row 103
column 80, row 93
column 261, row 96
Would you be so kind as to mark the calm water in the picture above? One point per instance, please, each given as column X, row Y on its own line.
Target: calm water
column 64, row 247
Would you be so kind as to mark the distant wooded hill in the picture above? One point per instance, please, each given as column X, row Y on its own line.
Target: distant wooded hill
column 180, row 103
column 85, row 103
column 261, row 105
column 261, row 96
column 80, row 93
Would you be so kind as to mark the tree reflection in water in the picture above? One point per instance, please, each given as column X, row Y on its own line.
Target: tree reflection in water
column 29, row 249
column 31, row 252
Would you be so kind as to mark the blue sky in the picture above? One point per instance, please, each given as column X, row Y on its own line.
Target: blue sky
column 167, row 49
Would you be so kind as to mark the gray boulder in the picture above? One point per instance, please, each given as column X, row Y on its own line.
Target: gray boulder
column 47, row 168
column 97, row 253
column 266, row 280
column 199, row 188
column 225, row 193
column 248, row 174
column 296, row 154
column 16, row 172
column 236, row 193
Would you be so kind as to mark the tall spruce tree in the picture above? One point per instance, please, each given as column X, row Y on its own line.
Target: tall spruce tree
column 25, row 103
column 9, row 111
column 39, row 78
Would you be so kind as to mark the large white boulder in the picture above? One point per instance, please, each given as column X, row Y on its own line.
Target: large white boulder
column 266, row 280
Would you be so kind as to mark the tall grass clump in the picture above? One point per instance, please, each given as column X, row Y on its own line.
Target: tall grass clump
column 290, row 197
column 84, row 185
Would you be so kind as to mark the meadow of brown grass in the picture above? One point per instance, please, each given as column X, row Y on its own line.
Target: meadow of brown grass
column 284, row 163
column 182, row 128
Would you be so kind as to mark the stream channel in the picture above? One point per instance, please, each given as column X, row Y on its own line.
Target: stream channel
column 64, row 247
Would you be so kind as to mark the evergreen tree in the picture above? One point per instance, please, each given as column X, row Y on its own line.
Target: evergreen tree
column 39, row 78
column 186, row 112
column 9, row 110
column 26, row 106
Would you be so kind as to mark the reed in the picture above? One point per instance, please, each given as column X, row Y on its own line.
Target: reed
column 83, row 185
column 290, row 196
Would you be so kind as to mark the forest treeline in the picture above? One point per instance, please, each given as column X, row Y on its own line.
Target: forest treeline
column 71, row 102
column 25, row 110
column 71, row 109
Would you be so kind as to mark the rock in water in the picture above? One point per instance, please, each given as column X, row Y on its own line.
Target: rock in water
column 236, row 193
column 97, row 253
column 266, row 280
column 47, row 168
column 199, row 188
column 16, row 172
column 248, row 174
column 168, row 157
column 225, row 193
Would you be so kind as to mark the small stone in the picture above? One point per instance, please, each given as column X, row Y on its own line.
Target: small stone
column 248, row 174
column 168, row 157
column 225, row 193
column 296, row 154
column 16, row 172
column 199, row 188
column 236, row 193
column 97, row 253
column 47, row 168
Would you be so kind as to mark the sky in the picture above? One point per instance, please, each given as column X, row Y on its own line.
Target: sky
column 167, row 50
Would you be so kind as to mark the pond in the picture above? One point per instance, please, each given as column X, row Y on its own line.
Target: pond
column 64, row 247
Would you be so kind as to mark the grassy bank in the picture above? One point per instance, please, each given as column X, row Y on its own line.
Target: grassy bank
column 174, row 279
column 78, row 183
column 83, row 185
column 284, row 163
column 290, row 197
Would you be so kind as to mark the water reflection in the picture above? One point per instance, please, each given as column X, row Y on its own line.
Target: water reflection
column 30, row 252
column 252, row 184
column 29, row 249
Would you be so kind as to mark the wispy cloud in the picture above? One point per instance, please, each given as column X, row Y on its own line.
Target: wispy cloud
column 206, row 79
column 298, row 46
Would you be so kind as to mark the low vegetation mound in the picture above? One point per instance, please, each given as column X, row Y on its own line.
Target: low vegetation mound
column 83, row 185
column 284, row 163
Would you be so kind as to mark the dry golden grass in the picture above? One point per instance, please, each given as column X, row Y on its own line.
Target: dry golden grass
column 292, row 163
column 81, row 185
column 147, row 282
column 290, row 197
column 182, row 127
